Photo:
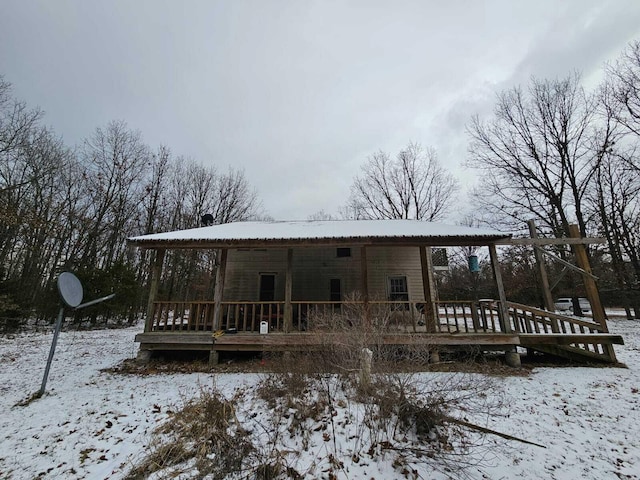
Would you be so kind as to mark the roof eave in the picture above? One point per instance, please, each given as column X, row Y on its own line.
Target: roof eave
column 444, row 241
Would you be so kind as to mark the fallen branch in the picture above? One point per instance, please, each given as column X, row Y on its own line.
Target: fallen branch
column 492, row 432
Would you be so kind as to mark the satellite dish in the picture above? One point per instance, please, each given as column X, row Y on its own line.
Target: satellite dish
column 70, row 289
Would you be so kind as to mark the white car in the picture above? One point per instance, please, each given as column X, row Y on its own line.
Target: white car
column 585, row 306
column 565, row 304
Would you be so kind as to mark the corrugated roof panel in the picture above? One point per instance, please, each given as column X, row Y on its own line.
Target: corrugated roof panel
column 318, row 230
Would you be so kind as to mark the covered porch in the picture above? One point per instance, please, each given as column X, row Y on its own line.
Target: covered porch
column 190, row 326
column 229, row 324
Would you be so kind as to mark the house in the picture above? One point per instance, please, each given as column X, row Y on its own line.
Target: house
column 276, row 279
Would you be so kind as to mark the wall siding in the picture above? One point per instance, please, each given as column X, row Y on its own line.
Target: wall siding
column 314, row 267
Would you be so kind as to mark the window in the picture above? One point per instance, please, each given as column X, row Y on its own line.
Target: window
column 343, row 252
column 398, row 291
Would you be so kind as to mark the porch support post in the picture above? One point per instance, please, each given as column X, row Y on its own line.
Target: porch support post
column 544, row 280
column 288, row 287
column 219, row 289
column 156, row 271
column 512, row 357
column 428, row 286
column 597, row 311
column 505, row 323
column 365, row 281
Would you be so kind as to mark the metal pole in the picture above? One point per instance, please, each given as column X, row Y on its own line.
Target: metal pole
column 56, row 331
column 97, row 300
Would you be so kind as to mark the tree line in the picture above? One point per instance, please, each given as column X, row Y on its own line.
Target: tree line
column 551, row 151
column 559, row 154
column 72, row 209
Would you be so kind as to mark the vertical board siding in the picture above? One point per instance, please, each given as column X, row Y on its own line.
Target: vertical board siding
column 313, row 268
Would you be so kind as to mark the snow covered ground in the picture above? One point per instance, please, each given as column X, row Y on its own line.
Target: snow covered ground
column 94, row 424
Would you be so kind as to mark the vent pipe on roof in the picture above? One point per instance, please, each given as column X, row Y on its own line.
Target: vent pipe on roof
column 206, row 220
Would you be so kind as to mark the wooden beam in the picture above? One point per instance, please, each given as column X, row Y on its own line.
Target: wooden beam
column 564, row 262
column 219, row 288
column 497, row 275
column 530, row 339
column 591, row 288
column 288, row 287
column 428, row 287
column 156, row 272
column 285, row 341
column 597, row 311
column 559, row 279
column 544, row 279
column 572, row 353
column 550, row 241
column 175, row 337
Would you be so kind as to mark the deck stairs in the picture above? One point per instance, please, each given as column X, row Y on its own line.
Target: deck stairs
column 565, row 336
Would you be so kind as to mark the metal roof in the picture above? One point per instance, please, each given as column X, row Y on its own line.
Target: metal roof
column 329, row 232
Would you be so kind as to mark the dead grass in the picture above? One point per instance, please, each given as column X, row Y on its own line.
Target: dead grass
column 318, row 407
column 203, row 436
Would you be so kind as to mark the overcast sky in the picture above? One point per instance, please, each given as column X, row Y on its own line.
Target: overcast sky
column 297, row 93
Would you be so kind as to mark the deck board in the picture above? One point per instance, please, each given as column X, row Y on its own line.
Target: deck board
column 532, row 339
column 176, row 340
column 295, row 341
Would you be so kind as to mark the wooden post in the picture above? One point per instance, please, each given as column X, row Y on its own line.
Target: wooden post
column 288, row 287
column 544, row 279
column 505, row 323
column 219, row 289
column 428, row 287
column 366, row 357
column 156, row 271
column 597, row 311
column 589, row 283
column 365, row 282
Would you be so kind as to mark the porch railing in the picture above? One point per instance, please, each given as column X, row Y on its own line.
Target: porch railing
column 453, row 316
column 247, row 316
column 531, row 320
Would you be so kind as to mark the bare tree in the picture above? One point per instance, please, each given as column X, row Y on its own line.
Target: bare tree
column 193, row 191
column 616, row 200
column 233, row 198
column 18, row 126
column 413, row 185
column 539, row 154
column 115, row 160
column 73, row 209
column 624, row 78
column 156, row 184
column 320, row 215
column 17, row 122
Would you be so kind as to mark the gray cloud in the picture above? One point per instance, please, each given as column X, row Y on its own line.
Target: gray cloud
column 297, row 94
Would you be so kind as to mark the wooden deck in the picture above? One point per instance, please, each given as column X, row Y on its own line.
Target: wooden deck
column 303, row 341
column 459, row 324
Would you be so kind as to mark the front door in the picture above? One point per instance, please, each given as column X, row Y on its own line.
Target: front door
column 335, row 290
column 267, row 287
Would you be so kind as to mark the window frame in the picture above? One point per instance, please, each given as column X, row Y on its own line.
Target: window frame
column 392, row 294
